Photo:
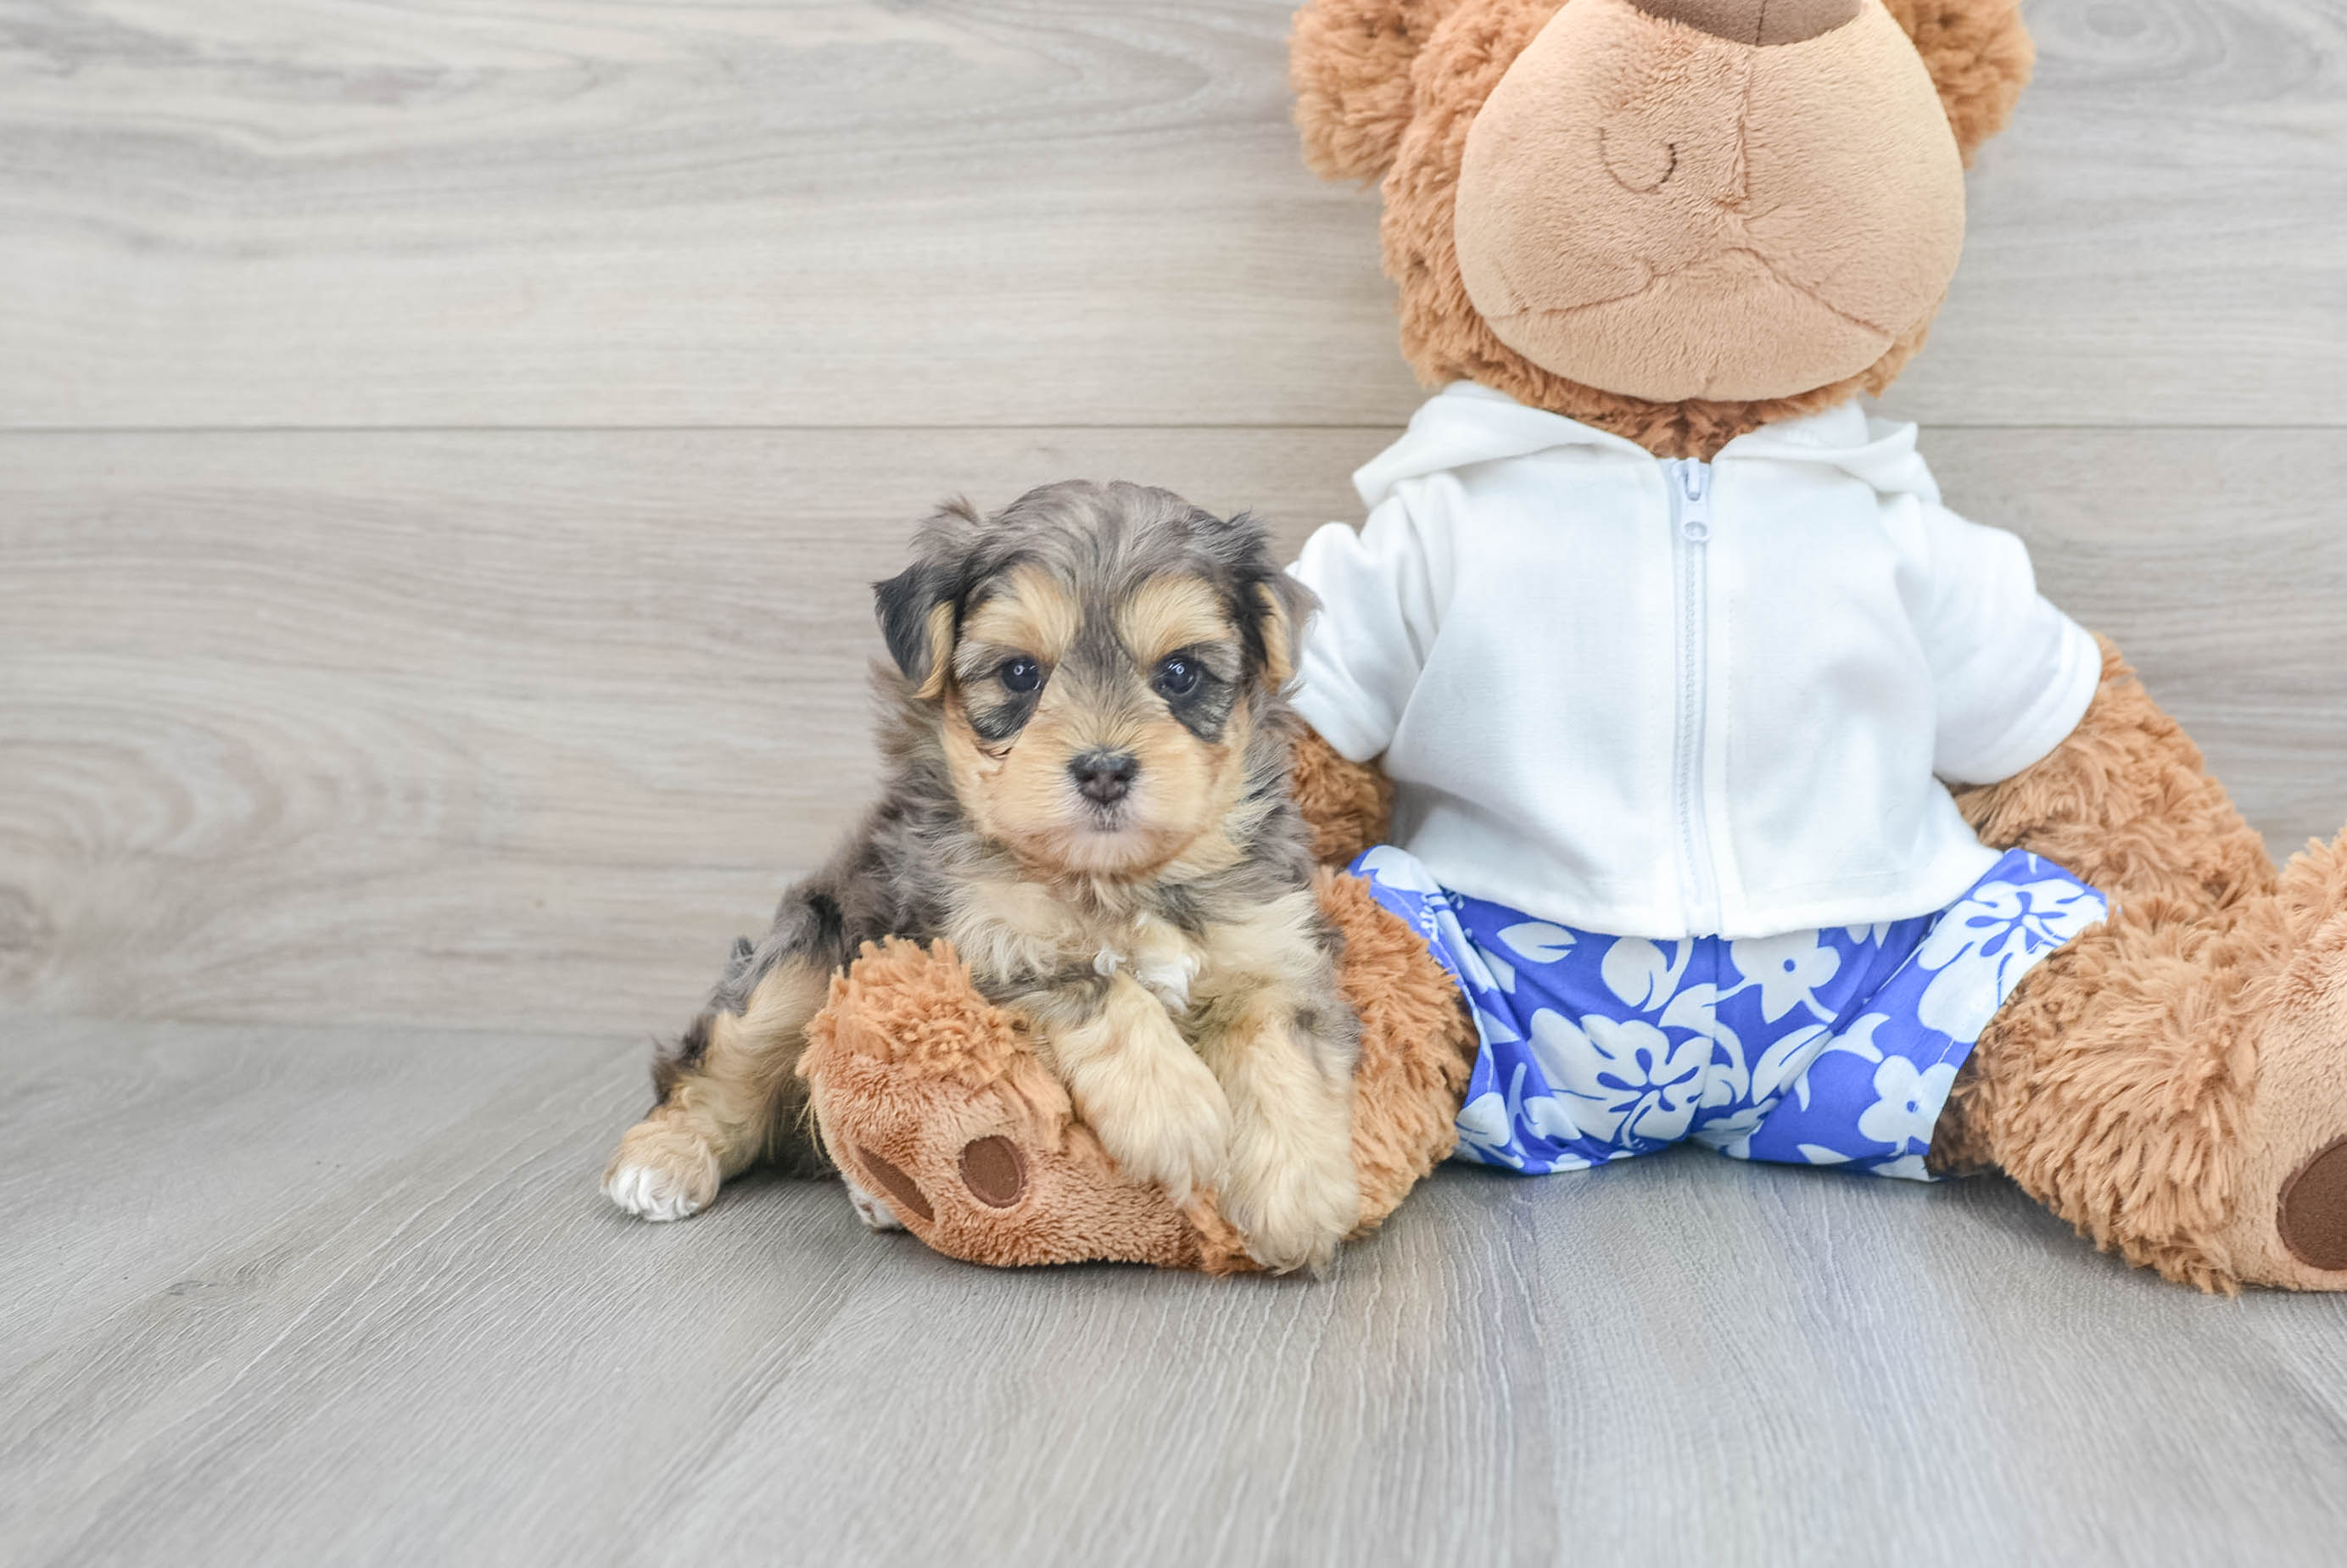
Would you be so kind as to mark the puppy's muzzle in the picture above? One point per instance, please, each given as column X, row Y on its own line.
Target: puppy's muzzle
column 1104, row 777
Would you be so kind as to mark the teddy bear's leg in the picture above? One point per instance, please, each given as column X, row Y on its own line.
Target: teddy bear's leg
column 933, row 1101
column 2174, row 1083
column 2160, row 1081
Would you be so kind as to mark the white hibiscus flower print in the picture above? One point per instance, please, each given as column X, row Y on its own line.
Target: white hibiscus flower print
column 1982, row 947
column 1732, row 1136
column 1697, row 1008
column 1906, row 1102
column 1642, row 973
column 1560, row 1050
column 1491, row 1127
column 1486, row 1133
column 1551, row 1118
column 1788, row 970
column 1625, row 1081
column 1857, row 1041
column 1785, row 1061
column 1495, row 1030
column 1398, row 868
column 1454, row 940
column 1537, row 941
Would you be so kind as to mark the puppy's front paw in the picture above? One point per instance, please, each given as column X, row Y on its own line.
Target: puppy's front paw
column 1292, row 1203
column 1166, row 1122
column 875, row 1213
column 659, row 1174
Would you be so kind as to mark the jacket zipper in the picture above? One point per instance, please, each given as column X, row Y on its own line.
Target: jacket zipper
column 1689, row 482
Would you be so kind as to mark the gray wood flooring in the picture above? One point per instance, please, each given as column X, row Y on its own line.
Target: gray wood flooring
column 344, row 1296
column 341, row 1296
column 442, row 449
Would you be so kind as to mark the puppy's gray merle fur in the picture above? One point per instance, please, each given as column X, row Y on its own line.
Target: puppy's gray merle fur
column 1086, row 760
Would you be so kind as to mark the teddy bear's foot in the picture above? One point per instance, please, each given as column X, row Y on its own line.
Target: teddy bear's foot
column 2287, row 1225
column 939, row 1114
column 2174, row 1083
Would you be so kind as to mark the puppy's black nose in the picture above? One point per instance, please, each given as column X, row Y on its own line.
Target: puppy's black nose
column 1104, row 776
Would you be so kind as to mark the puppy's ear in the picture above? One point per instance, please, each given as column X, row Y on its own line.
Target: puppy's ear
column 919, row 607
column 1285, row 608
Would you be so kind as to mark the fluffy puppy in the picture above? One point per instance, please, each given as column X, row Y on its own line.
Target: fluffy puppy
column 1086, row 760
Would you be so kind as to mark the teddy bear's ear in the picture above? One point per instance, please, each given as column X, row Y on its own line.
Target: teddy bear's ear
column 1348, row 62
column 1979, row 55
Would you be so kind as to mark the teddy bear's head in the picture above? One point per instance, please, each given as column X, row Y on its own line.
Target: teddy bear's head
column 1677, row 219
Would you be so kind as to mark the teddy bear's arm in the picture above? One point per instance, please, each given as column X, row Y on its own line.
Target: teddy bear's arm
column 1980, row 57
column 1348, row 804
column 2127, row 803
column 1348, row 61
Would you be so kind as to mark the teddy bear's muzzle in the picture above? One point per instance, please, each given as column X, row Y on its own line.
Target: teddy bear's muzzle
column 1710, row 198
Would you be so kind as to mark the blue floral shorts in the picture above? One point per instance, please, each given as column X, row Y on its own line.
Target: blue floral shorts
column 1821, row 1048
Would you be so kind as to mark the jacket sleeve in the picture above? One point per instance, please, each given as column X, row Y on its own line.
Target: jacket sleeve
column 1378, row 619
column 2011, row 675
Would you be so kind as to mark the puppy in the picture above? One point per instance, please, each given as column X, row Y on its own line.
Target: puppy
column 1086, row 760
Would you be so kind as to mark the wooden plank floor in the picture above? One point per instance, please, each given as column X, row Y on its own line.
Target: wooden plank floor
column 345, row 1297
column 442, row 451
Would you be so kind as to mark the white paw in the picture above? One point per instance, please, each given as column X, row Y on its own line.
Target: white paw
column 875, row 1214
column 1163, row 963
column 1167, row 978
column 1293, row 1209
column 668, row 1188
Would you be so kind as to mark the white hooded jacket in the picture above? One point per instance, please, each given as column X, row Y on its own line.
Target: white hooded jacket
column 1670, row 699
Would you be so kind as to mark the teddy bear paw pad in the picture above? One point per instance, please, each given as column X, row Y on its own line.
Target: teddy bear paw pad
column 994, row 1171
column 2314, row 1213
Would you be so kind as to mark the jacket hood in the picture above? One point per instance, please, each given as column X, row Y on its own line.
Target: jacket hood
column 1465, row 423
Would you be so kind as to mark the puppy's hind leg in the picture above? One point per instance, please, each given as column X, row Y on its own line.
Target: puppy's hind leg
column 729, row 1096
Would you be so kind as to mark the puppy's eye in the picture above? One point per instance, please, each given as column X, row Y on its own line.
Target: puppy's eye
column 1177, row 677
column 1022, row 675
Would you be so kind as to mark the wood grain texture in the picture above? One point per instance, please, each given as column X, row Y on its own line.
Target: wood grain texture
column 522, row 728
column 490, row 651
column 412, row 1331
column 518, row 729
column 326, row 212
column 574, row 706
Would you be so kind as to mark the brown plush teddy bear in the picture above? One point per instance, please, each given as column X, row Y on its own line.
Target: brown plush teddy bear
column 1653, row 251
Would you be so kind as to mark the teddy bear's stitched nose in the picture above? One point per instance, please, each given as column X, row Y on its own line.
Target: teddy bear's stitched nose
column 1755, row 21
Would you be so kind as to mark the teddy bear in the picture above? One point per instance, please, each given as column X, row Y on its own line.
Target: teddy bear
column 1695, row 775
